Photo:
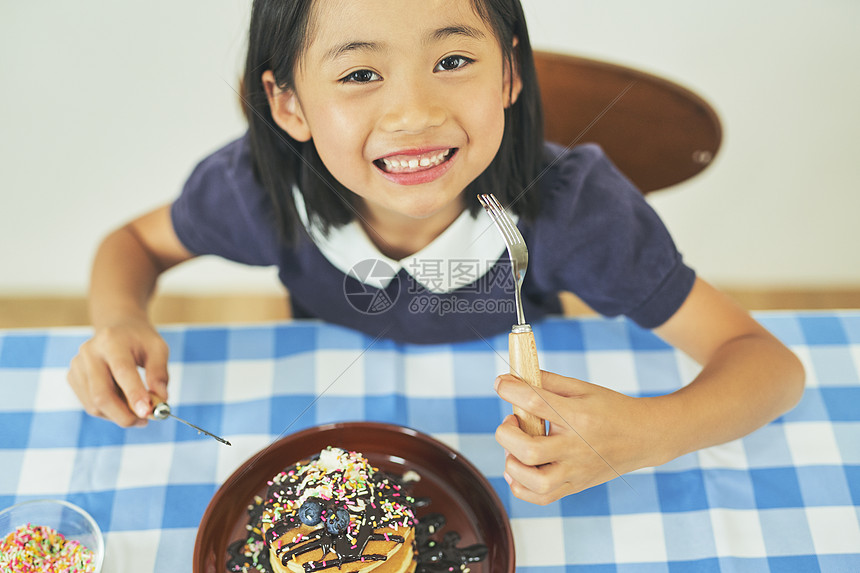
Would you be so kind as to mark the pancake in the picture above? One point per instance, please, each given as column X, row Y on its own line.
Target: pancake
column 335, row 512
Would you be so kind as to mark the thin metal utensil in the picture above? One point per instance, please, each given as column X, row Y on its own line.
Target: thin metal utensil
column 522, row 350
column 162, row 411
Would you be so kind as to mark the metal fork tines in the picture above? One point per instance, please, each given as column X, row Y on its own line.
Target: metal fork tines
column 162, row 412
column 518, row 253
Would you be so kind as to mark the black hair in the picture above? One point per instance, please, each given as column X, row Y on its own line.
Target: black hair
column 278, row 37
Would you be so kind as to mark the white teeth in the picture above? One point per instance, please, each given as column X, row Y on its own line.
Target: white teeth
column 426, row 161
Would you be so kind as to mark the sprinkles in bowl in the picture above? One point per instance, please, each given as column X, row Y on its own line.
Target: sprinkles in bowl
column 37, row 548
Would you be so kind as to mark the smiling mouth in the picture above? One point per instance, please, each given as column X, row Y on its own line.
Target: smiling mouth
column 414, row 163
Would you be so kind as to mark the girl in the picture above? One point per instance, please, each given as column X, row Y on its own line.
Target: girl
column 373, row 125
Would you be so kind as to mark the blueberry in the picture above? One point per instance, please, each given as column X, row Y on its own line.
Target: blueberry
column 338, row 521
column 311, row 511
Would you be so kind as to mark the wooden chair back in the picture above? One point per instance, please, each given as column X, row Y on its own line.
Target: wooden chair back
column 657, row 132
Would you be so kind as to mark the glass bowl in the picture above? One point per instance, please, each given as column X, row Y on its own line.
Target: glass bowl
column 66, row 518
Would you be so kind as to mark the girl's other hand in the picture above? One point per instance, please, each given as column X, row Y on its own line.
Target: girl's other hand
column 595, row 434
column 104, row 374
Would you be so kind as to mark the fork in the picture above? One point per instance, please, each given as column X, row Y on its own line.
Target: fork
column 522, row 350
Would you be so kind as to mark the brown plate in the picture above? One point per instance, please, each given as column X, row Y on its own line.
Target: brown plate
column 455, row 487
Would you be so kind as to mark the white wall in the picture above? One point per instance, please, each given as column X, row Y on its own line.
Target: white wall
column 106, row 106
column 780, row 204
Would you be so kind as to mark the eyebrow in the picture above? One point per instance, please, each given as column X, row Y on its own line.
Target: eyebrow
column 342, row 49
column 435, row 36
column 448, row 31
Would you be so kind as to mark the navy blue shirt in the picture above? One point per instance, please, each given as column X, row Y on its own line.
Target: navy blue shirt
column 595, row 236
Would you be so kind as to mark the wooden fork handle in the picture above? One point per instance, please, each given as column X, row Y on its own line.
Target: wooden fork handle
column 524, row 364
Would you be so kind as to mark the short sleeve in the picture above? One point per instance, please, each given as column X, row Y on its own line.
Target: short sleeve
column 599, row 238
column 224, row 211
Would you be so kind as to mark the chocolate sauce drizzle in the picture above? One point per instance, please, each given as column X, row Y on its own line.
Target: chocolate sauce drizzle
column 348, row 549
column 252, row 553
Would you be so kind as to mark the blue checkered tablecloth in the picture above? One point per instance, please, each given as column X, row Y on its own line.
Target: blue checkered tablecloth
column 785, row 498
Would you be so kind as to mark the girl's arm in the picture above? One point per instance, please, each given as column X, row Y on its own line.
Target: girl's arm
column 748, row 379
column 127, row 265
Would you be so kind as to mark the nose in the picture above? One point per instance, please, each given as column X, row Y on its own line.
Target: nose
column 412, row 106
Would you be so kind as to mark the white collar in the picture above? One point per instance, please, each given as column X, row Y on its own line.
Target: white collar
column 463, row 253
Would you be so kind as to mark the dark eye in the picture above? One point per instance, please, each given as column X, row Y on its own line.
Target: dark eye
column 449, row 63
column 361, row 77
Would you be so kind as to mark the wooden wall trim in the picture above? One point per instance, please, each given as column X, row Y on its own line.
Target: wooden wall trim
column 45, row 311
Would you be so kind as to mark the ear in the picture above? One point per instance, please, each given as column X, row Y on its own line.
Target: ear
column 513, row 84
column 286, row 110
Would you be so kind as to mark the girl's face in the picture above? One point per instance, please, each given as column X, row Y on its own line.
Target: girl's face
column 403, row 99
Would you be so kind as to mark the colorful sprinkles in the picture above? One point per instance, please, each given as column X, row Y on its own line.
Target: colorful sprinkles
column 373, row 498
column 346, row 496
column 37, row 548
